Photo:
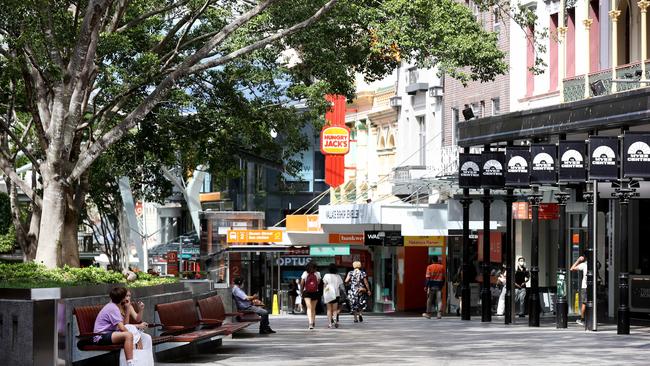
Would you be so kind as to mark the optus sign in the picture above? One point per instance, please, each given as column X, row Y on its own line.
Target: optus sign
column 335, row 140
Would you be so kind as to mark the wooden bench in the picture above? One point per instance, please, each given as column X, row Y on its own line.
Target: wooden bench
column 213, row 312
column 86, row 316
column 180, row 320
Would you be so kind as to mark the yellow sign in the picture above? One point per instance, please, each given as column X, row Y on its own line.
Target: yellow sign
column 303, row 223
column 254, row 236
column 335, row 140
column 424, row 241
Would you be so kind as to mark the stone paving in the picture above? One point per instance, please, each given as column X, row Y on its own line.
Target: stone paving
column 411, row 340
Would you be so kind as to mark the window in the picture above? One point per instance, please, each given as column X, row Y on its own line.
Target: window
column 476, row 110
column 412, row 75
column 422, row 138
column 496, row 106
column 496, row 20
column 482, row 111
column 454, row 122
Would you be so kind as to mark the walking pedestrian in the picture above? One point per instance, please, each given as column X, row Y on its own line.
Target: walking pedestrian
column 298, row 302
column 521, row 277
column 581, row 265
column 309, row 282
column 332, row 294
column 501, row 283
column 435, row 280
column 359, row 291
column 292, row 292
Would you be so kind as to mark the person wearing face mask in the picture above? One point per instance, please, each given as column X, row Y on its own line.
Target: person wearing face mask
column 521, row 277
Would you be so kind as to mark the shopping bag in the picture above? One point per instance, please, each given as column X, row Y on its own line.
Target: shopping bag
column 329, row 294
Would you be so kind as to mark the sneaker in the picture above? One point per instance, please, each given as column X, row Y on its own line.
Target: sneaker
column 426, row 315
column 439, row 316
column 580, row 322
column 336, row 325
column 311, row 326
column 360, row 318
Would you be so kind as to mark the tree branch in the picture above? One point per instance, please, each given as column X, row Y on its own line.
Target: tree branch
column 172, row 32
column 265, row 41
column 160, row 92
column 9, row 171
column 145, row 16
column 19, row 143
column 187, row 29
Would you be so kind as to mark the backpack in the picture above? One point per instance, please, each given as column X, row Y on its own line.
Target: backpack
column 311, row 283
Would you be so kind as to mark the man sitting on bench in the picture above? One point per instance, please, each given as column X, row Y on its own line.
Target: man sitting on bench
column 110, row 323
column 246, row 303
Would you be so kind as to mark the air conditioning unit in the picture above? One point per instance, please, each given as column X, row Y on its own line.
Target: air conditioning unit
column 436, row 91
column 395, row 101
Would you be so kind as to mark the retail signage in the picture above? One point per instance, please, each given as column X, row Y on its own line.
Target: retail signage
column 572, row 162
column 640, row 293
column 354, row 238
column 254, row 236
column 424, row 241
column 469, row 174
column 303, row 223
column 292, row 251
column 328, row 250
column 520, row 210
column 495, row 246
column 517, row 166
column 172, row 263
column 385, row 238
column 492, row 169
column 636, row 158
column 346, row 214
column 335, row 140
column 547, row 211
column 292, row 261
column 603, row 157
column 543, row 164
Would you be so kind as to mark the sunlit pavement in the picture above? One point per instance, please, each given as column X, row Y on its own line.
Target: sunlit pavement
column 411, row 340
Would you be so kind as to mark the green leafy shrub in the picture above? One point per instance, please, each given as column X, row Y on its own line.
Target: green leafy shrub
column 33, row 275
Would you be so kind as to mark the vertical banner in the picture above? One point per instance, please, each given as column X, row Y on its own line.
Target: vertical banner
column 572, row 164
column 469, row 174
column 603, row 157
column 517, row 166
column 492, row 172
column 543, row 164
column 636, row 158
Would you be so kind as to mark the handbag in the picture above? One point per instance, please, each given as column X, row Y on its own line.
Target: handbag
column 329, row 294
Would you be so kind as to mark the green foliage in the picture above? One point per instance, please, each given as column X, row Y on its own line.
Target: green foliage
column 8, row 240
column 33, row 275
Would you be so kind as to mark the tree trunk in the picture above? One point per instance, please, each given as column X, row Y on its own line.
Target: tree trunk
column 70, row 243
column 52, row 222
column 32, row 235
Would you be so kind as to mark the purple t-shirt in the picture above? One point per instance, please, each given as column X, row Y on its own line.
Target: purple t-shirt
column 107, row 320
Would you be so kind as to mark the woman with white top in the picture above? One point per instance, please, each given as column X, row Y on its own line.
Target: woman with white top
column 332, row 283
column 309, row 282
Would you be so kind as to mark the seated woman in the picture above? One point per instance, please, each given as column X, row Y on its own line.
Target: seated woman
column 142, row 340
column 110, row 323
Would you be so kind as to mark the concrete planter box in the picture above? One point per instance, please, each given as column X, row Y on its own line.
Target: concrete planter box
column 37, row 326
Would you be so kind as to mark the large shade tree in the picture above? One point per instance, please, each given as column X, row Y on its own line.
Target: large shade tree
column 79, row 76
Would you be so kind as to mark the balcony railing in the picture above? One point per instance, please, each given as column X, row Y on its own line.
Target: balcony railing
column 600, row 83
column 446, row 165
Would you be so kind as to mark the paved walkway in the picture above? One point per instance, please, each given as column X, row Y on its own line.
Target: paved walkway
column 403, row 340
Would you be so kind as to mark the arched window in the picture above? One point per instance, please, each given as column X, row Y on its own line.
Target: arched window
column 382, row 143
column 391, row 141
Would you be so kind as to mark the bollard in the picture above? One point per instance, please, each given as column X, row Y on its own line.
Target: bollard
column 276, row 308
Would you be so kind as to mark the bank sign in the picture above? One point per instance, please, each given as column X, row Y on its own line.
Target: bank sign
column 335, row 140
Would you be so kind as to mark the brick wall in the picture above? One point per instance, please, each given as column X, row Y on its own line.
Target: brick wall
column 456, row 95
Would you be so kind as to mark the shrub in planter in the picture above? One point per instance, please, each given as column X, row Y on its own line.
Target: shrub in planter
column 33, row 275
